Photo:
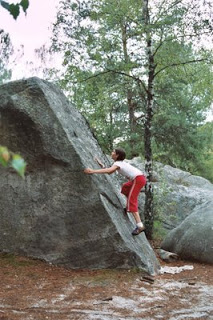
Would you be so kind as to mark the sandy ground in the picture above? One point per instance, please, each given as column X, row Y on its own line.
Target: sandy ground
column 34, row 290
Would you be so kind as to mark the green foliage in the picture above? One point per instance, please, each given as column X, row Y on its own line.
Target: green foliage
column 14, row 9
column 10, row 159
column 106, row 73
column 181, row 100
column 98, row 87
column 98, row 49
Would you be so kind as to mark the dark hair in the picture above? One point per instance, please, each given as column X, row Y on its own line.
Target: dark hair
column 121, row 154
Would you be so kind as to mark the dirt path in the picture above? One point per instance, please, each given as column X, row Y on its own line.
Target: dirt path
column 34, row 290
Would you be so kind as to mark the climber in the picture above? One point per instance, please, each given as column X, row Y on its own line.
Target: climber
column 130, row 189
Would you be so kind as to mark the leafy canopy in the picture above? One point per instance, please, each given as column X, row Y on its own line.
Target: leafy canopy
column 105, row 66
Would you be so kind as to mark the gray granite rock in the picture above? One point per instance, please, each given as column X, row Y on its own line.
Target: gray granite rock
column 176, row 193
column 58, row 213
column 193, row 238
column 167, row 256
column 184, row 203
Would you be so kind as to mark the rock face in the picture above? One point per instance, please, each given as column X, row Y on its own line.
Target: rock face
column 58, row 213
column 180, row 193
column 176, row 193
column 193, row 238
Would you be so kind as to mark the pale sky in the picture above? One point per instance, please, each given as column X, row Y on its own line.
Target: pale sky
column 31, row 30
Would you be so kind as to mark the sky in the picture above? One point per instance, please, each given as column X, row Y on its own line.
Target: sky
column 31, row 30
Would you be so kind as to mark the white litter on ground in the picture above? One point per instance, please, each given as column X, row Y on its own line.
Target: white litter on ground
column 174, row 270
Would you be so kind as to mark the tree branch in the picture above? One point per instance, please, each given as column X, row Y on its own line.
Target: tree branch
column 95, row 75
column 138, row 80
column 178, row 64
column 158, row 47
column 117, row 72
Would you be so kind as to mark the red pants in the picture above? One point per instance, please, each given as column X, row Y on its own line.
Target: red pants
column 131, row 190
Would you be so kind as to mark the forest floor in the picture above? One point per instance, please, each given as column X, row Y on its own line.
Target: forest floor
column 34, row 290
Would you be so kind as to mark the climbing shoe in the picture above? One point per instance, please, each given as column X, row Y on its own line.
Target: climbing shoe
column 137, row 231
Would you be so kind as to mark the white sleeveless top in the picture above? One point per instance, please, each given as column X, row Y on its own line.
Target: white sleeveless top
column 127, row 170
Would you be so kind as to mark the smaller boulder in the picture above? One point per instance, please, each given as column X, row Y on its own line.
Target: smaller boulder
column 192, row 239
column 166, row 255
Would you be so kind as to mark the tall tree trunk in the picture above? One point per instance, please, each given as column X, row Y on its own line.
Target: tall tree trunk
column 148, row 209
column 111, row 126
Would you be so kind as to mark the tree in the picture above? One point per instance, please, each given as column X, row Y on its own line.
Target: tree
column 183, row 95
column 134, row 42
column 171, row 26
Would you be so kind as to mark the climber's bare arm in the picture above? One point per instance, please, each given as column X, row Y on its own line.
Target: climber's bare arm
column 104, row 170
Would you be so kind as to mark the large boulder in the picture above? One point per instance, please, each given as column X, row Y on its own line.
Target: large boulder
column 184, row 204
column 58, row 213
column 193, row 238
column 177, row 194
